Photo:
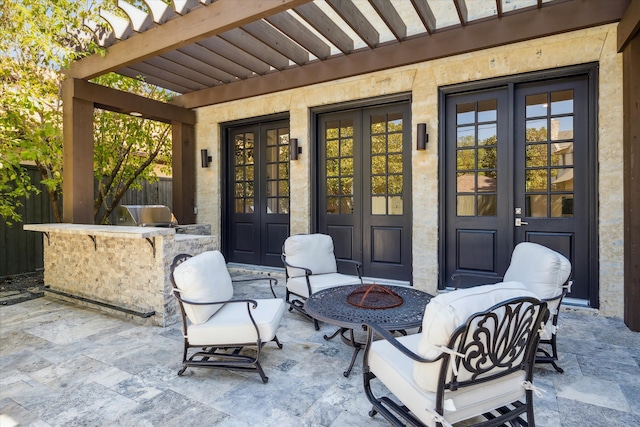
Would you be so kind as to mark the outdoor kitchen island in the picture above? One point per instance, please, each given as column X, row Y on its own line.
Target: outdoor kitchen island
column 123, row 270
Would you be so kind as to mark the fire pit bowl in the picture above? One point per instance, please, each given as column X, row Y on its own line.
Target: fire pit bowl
column 374, row 297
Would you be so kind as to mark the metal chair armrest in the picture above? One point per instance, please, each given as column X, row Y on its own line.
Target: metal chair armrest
column 272, row 282
column 457, row 276
column 386, row 335
column 357, row 265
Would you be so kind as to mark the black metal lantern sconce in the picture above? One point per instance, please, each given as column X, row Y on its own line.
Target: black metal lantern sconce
column 423, row 136
column 295, row 148
column 205, row 158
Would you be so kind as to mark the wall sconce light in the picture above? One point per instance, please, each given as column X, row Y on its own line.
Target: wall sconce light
column 295, row 148
column 423, row 137
column 205, row 158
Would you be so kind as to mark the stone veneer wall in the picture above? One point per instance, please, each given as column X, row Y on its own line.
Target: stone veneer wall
column 596, row 44
column 119, row 271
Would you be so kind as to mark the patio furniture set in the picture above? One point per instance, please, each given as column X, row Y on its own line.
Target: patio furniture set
column 471, row 357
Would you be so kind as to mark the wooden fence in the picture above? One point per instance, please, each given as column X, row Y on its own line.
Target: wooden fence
column 21, row 252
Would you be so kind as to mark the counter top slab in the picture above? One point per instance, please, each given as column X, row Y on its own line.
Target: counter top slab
column 101, row 230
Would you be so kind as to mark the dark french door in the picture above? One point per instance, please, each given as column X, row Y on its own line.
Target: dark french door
column 364, row 187
column 257, row 199
column 518, row 168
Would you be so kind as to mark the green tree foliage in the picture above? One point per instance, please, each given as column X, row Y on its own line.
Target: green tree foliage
column 38, row 39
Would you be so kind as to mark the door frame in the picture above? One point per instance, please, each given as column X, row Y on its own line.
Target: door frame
column 314, row 148
column 591, row 71
column 225, row 146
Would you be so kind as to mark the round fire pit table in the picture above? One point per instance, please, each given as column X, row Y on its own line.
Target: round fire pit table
column 336, row 307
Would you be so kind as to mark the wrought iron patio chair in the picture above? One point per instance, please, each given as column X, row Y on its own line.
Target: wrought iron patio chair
column 472, row 361
column 546, row 273
column 311, row 266
column 219, row 326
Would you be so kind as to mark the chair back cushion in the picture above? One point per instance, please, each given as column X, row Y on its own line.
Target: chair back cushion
column 203, row 278
column 445, row 313
column 542, row 270
column 312, row 251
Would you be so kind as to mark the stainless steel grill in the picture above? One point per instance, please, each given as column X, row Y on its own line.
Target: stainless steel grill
column 145, row 216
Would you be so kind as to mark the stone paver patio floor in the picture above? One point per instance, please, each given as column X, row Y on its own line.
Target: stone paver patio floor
column 64, row 365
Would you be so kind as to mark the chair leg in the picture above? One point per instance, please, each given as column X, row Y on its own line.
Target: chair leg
column 544, row 356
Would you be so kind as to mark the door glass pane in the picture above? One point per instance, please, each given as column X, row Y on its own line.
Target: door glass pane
column 536, row 205
column 536, row 105
column 395, row 143
column 549, row 163
column 272, row 154
column 395, row 164
column 536, row 155
column 271, row 137
column 562, row 205
column 346, row 205
column 487, row 182
column 561, row 179
column 395, row 184
column 466, row 136
column 386, row 163
column 395, row 205
column 562, row 154
column 487, row 205
column 536, row 180
column 561, row 128
column 488, row 134
column 339, row 166
column 562, row 102
column 346, row 186
column 378, row 205
column 477, row 159
column 378, row 165
column 536, row 130
column 243, row 172
column 465, row 205
column 283, row 205
column 488, row 110
column 272, row 171
column 466, row 159
column 487, row 158
column 466, row 183
column 332, row 148
column 378, row 185
column 465, row 113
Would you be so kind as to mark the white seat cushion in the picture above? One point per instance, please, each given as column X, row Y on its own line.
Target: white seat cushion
column 312, row 251
column 232, row 325
column 445, row 313
column 203, row 278
column 541, row 269
column 386, row 362
column 298, row 285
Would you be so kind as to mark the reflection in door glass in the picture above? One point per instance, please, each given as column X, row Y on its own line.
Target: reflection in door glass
column 277, row 171
column 536, row 105
column 549, row 164
column 465, row 113
column 244, row 176
column 339, row 166
column 477, row 158
column 386, row 164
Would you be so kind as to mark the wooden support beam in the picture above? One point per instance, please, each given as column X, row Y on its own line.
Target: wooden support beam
column 527, row 25
column 77, row 185
column 631, row 142
column 184, row 175
column 199, row 24
column 124, row 102
column 629, row 25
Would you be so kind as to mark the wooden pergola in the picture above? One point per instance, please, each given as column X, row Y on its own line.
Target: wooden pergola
column 211, row 52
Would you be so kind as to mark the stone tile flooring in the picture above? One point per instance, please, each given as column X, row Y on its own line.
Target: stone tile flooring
column 63, row 365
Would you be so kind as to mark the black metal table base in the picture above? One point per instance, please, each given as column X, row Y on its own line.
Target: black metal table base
column 350, row 341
